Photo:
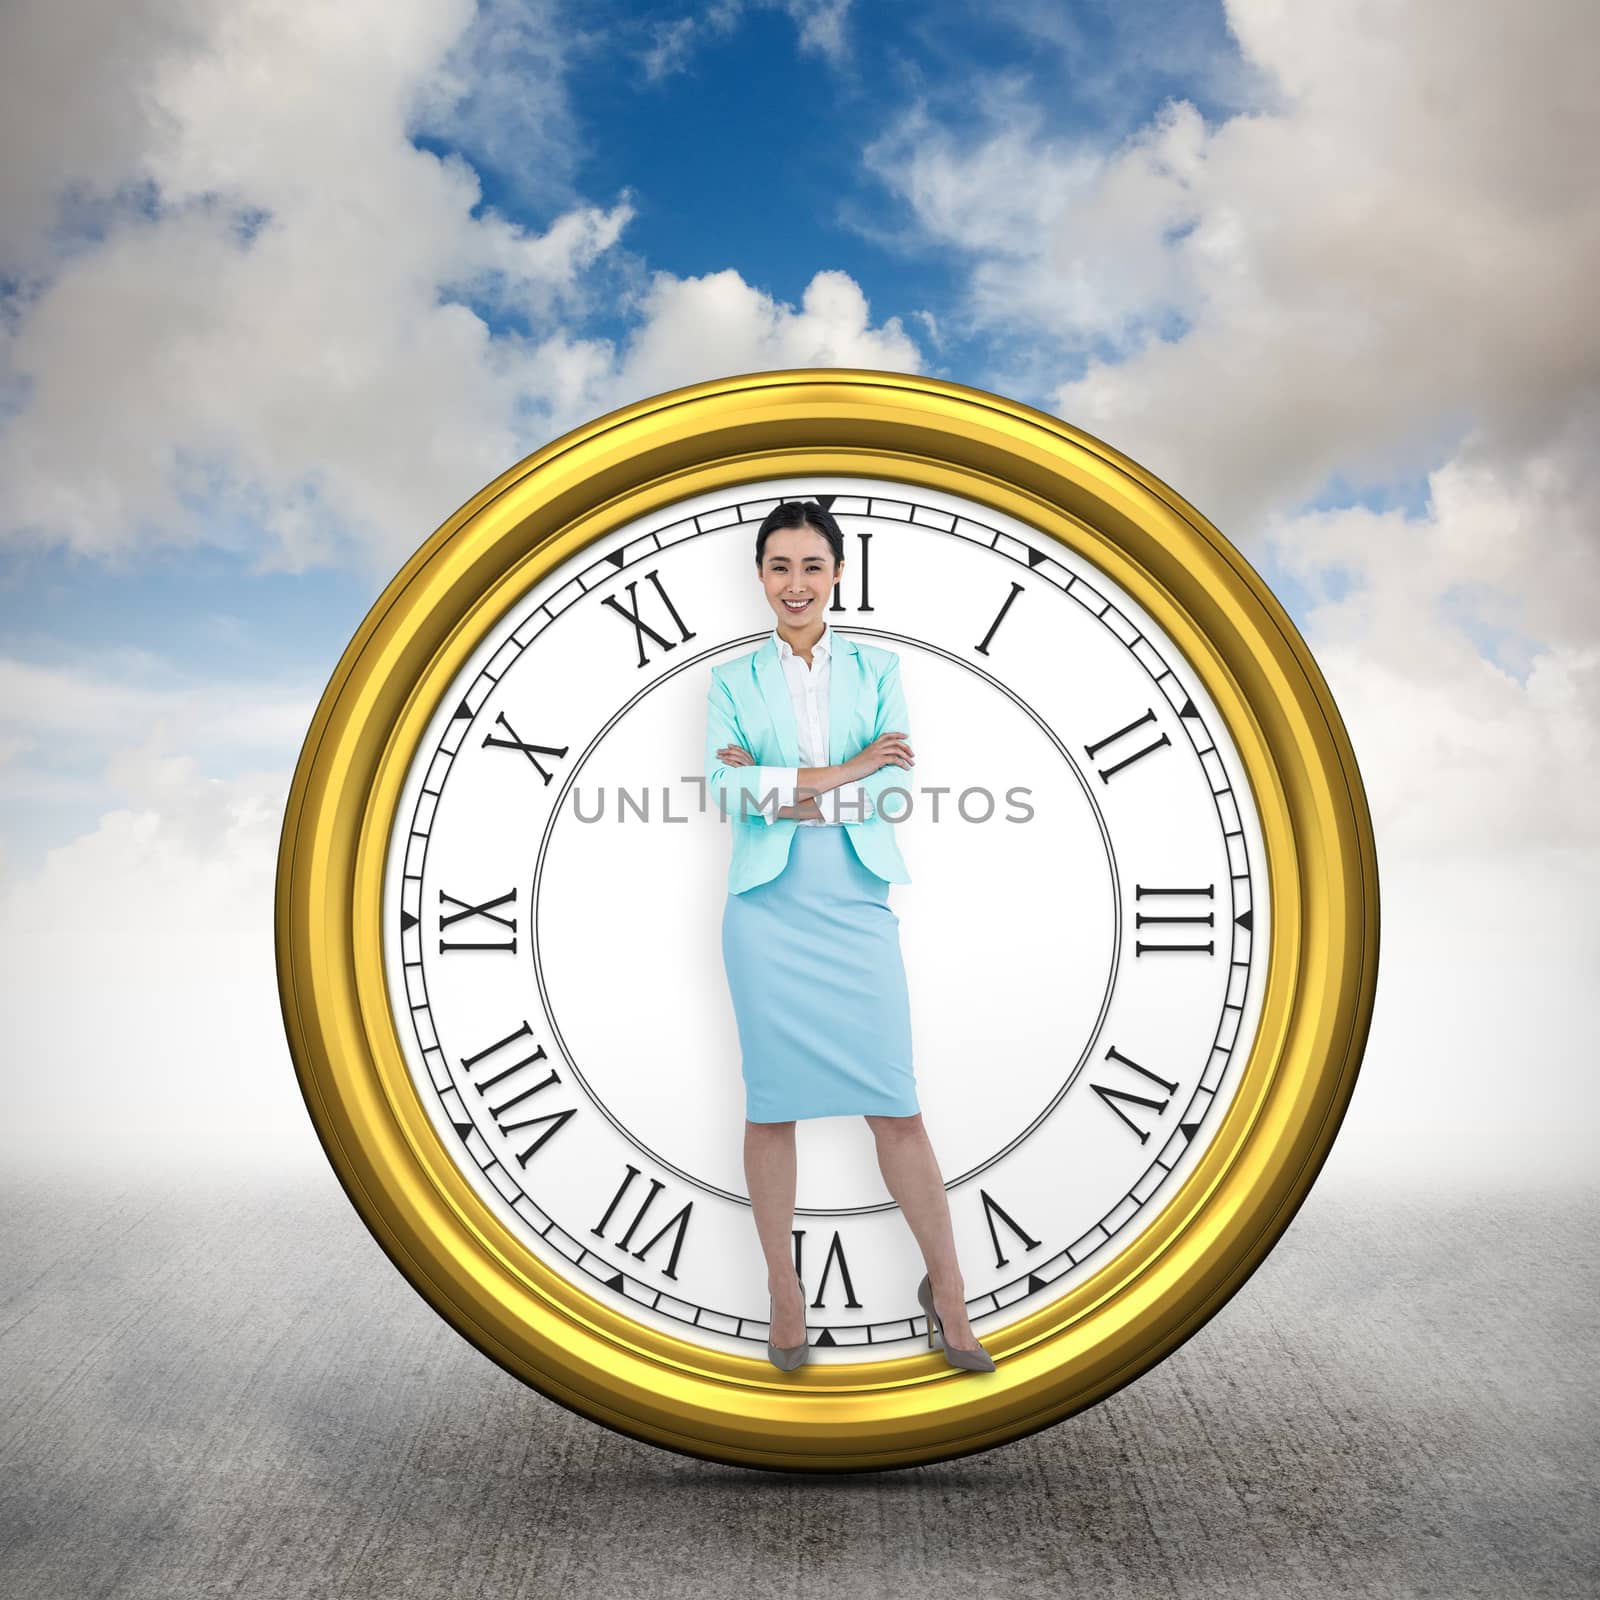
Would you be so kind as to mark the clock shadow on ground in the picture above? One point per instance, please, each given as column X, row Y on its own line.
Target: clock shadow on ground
column 229, row 1390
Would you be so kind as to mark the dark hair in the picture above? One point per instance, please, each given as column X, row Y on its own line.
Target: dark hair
column 801, row 514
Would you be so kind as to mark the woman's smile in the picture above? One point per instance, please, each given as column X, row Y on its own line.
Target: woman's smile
column 798, row 556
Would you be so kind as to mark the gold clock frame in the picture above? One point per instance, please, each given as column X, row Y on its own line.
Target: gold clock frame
column 1321, row 966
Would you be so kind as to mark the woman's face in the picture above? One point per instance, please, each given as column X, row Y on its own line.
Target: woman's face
column 797, row 565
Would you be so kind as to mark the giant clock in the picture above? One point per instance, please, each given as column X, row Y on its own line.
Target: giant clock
column 1140, row 935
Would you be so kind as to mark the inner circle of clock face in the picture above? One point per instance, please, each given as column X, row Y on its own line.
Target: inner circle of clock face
column 1084, row 935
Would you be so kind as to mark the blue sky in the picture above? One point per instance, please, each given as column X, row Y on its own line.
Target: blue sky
column 282, row 286
column 745, row 150
column 774, row 140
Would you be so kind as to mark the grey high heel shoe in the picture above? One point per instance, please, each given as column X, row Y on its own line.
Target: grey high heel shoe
column 791, row 1356
column 972, row 1360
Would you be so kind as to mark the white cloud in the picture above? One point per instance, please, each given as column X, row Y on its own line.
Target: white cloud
column 1385, row 272
column 718, row 323
column 264, row 332
column 124, row 693
column 76, row 117
column 260, row 353
column 140, row 1009
column 674, row 40
column 1463, row 647
column 122, row 729
column 500, row 96
column 819, row 26
column 1103, row 59
column 1390, row 269
column 1063, row 239
column 139, row 1003
column 309, row 383
column 1405, row 245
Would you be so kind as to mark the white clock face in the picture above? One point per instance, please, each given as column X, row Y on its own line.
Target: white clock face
column 1084, row 936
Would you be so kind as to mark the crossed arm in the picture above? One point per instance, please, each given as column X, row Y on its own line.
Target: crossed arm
column 738, row 784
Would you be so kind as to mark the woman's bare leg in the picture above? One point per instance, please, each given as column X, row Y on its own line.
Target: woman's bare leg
column 769, row 1172
column 906, row 1159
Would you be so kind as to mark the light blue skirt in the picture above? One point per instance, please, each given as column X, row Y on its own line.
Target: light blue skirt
column 819, row 987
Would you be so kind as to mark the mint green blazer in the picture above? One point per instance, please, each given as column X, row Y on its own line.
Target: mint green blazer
column 748, row 704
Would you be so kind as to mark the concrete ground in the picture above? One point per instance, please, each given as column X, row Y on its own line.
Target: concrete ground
column 232, row 1392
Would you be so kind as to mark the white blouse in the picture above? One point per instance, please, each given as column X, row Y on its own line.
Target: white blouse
column 808, row 692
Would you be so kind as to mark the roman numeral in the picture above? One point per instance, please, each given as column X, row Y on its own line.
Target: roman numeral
column 983, row 647
column 864, row 540
column 677, row 1225
column 515, row 743
column 835, row 1254
column 1112, row 1095
column 641, row 627
column 485, row 911
column 509, row 1101
column 1128, row 760
column 993, row 1209
column 1152, row 919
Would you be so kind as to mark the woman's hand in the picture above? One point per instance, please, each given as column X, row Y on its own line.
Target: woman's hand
column 734, row 755
column 887, row 750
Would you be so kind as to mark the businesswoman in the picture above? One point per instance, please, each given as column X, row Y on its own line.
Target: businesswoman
column 811, row 948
